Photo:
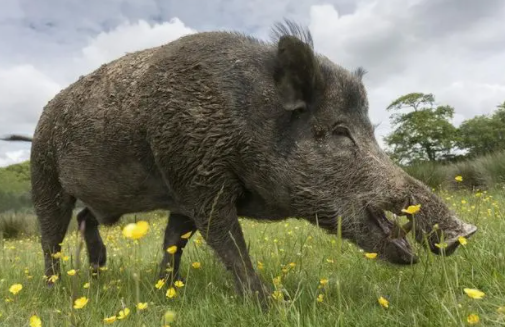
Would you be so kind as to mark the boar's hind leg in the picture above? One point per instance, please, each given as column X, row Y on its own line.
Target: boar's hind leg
column 223, row 233
column 53, row 207
column 97, row 253
column 178, row 225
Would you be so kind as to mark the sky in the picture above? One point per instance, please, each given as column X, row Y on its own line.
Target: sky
column 454, row 49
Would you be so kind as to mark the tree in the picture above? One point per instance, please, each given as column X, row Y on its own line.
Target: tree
column 499, row 114
column 422, row 133
column 501, row 106
column 483, row 134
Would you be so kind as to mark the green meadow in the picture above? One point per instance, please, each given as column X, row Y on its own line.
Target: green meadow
column 319, row 280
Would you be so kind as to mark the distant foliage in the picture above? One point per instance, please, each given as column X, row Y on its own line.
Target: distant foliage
column 485, row 172
column 15, row 225
column 14, row 201
column 15, row 187
column 422, row 131
column 483, row 134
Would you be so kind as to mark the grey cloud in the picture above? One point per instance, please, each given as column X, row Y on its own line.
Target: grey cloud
column 452, row 48
column 438, row 19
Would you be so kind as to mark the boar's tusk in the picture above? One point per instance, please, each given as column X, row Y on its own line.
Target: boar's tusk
column 407, row 227
column 401, row 231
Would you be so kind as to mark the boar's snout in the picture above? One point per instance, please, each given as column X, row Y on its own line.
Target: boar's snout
column 449, row 242
column 435, row 223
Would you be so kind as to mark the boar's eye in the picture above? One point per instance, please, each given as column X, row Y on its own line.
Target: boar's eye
column 340, row 130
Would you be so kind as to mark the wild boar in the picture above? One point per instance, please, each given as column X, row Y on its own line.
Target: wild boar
column 217, row 125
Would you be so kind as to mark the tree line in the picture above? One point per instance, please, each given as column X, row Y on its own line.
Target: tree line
column 422, row 131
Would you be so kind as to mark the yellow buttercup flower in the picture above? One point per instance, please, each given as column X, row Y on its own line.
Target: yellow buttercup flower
column 35, row 321
column 197, row 265
column 80, row 302
column 57, row 255
column 412, row 209
column 123, row 313
column 179, row 283
column 186, row 236
column 142, row 306
column 277, row 295
column 172, row 249
column 474, row 293
column 15, row 289
column 458, row 178
column 473, row 319
column 320, row 298
column 462, row 240
column 171, row 292
column 86, row 285
column 109, row 320
column 370, row 255
column 160, row 284
column 71, row 272
column 277, row 281
column 136, row 230
column 383, row 302
column 323, row 281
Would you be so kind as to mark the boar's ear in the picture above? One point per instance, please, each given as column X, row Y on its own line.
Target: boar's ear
column 297, row 76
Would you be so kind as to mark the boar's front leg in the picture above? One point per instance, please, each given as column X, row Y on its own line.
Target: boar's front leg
column 177, row 226
column 222, row 232
column 97, row 253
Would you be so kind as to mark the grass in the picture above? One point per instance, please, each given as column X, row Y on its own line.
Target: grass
column 427, row 294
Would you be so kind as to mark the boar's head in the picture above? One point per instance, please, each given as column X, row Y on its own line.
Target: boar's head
column 332, row 165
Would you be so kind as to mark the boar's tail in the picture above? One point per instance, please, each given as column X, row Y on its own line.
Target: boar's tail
column 17, row 138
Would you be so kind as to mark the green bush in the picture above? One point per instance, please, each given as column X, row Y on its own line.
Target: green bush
column 431, row 174
column 486, row 172
column 16, row 225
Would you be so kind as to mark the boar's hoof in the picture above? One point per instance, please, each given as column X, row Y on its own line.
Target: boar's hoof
column 170, row 278
column 95, row 270
column 50, row 284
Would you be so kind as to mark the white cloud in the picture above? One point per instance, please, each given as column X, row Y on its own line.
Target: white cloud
column 12, row 157
column 25, row 90
column 128, row 37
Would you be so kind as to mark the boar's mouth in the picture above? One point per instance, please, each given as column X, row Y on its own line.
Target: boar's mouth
column 393, row 246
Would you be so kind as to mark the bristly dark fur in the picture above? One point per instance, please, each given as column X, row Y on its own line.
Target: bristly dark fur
column 360, row 72
column 291, row 28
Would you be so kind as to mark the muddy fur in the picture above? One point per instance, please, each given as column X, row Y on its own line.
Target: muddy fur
column 218, row 125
